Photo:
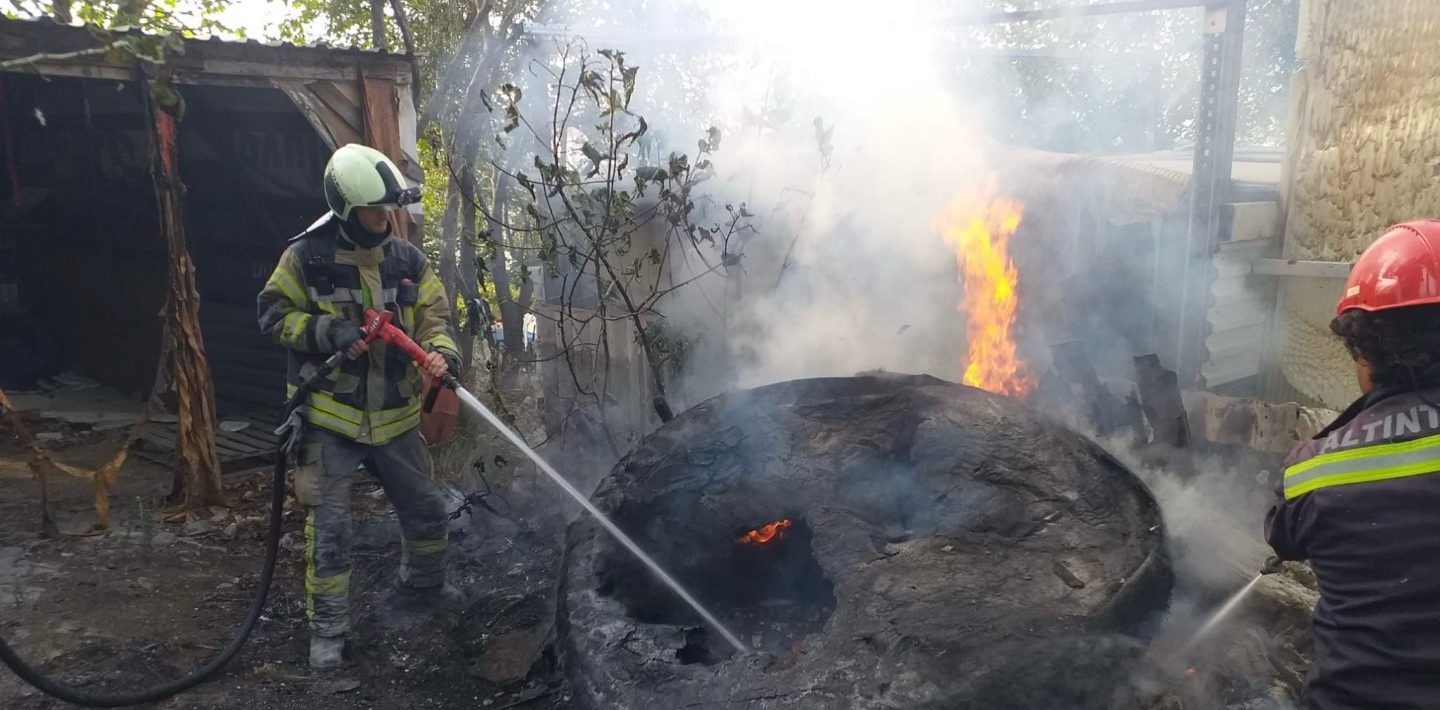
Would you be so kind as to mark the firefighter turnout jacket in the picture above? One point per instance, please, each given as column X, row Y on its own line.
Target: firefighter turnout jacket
column 1361, row 502
column 323, row 276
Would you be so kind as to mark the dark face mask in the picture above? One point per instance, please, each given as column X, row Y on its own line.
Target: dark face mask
column 362, row 237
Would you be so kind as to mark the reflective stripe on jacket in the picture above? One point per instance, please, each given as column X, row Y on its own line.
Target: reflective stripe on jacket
column 1361, row 502
column 322, row 277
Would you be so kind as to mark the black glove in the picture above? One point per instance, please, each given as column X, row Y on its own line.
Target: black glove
column 1272, row 565
column 452, row 361
column 291, row 431
column 344, row 333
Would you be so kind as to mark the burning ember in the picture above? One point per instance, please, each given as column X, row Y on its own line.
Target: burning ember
column 980, row 231
column 765, row 533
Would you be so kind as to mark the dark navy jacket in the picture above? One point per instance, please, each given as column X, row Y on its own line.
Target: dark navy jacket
column 1361, row 502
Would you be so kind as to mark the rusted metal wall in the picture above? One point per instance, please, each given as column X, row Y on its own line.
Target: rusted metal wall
column 252, row 179
column 375, row 111
column 1363, row 154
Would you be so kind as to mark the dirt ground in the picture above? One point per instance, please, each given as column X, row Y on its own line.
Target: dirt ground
column 148, row 600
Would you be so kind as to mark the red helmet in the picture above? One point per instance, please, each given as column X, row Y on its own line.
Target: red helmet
column 1402, row 268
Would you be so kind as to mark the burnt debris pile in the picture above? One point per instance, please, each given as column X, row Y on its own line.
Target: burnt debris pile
column 880, row 542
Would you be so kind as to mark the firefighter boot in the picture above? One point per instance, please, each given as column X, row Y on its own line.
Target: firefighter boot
column 326, row 652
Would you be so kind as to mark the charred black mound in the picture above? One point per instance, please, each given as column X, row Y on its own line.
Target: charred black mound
column 889, row 542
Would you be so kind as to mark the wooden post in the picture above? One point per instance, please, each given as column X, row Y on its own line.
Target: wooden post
column 1160, row 400
column 198, row 476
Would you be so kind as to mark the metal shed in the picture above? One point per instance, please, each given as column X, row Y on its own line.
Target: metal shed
column 82, row 240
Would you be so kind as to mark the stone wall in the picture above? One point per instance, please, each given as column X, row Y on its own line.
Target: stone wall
column 1364, row 154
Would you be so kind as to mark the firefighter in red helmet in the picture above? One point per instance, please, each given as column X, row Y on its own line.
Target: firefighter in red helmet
column 1361, row 500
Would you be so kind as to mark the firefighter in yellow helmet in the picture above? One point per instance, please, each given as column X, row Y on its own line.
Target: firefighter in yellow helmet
column 369, row 409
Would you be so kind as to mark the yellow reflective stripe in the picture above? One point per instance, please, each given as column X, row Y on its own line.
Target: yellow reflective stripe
column 395, row 422
column 287, row 284
column 337, row 585
column 292, row 326
column 429, row 547
column 1366, row 476
column 325, row 421
column 380, row 435
column 429, row 287
column 334, row 585
column 386, row 416
column 1364, row 465
column 326, row 404
column 1363, row 452
column 441, row 341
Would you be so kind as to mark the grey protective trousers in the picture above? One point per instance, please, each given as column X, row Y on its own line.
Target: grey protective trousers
column 323, row 480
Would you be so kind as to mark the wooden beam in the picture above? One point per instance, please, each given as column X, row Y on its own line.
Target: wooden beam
column 73, row 51
column 1299, row 268
column 253, row 74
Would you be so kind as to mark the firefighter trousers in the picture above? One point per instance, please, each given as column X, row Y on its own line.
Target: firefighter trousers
column 323, row 479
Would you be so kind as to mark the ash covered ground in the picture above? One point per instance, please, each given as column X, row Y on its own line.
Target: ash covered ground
column 148, row 600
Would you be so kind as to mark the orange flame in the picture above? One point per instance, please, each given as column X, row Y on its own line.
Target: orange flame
column 765, row 533
column 980, row 229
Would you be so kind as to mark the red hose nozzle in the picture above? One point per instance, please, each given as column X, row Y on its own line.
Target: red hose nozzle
column 378, row 325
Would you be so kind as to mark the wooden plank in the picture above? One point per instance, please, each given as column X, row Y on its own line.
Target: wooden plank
column 342, row 106
column 203, row 61
column 228, row 447
column 1302, row 269
column 163, row 438
column 237, row 74
column 255, row 439
column 244, row 444
column 161, row 458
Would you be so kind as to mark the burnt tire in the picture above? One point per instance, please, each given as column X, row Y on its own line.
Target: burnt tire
column 942, row 538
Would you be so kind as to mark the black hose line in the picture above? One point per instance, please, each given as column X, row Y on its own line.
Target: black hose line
column 71, row 694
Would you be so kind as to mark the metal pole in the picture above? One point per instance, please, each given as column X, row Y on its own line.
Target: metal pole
column 1065, row 13
column 1224, row 34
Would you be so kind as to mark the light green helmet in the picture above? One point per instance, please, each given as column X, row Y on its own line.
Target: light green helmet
column 360, row 176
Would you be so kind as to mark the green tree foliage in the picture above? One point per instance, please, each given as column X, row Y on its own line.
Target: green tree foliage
column 162, row 25
column 605, row 218
column 183, row 17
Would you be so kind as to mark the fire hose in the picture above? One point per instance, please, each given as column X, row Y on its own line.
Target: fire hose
column 376, row 326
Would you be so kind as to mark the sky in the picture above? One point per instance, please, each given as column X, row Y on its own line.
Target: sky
column 258, row 18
